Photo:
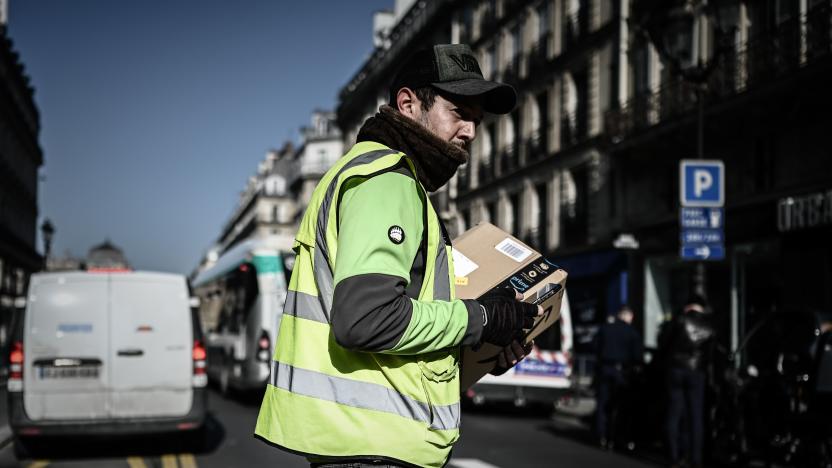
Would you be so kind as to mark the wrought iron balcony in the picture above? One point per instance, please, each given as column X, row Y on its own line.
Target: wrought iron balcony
column 573, row 128
column 536, row 146
column 760, row 61
column 576, row 26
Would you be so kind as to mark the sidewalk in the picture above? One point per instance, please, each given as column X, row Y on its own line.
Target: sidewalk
column 575, row 412
column 574, row 418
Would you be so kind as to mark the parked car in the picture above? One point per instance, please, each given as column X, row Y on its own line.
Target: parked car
column 106, row 353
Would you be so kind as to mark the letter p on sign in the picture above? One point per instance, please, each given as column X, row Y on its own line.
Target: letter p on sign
column 702, row 180
column 701, row 183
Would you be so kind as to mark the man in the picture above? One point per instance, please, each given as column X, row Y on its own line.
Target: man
column 687, row 345
column 619, row 349
column 366, row 365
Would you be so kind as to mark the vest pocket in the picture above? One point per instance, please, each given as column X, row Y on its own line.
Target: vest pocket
column 439, row 375
column 439, row 368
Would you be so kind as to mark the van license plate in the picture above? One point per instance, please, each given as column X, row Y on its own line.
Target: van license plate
column 68, row 372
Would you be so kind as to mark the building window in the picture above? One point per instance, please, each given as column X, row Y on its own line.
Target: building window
column 540, row 138
column 489, row 149
column 514, row 144
column 491, row 208
column 491, row 61
column 575, row 98
column 543, row 18
column 577, row 22
column 516, row 46
column 466, row 25
column 613, row 192
column 492, row 143
column 574, row 193
column 541, row 232
column 488, row 17
column 514, row 222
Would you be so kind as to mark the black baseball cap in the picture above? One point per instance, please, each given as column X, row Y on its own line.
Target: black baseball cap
column 454, row 69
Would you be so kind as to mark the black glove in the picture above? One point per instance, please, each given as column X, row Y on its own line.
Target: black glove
column 504, row 317
column 500, row 370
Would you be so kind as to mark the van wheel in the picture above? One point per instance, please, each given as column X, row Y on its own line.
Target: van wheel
column 22, row 448
column 197, row 440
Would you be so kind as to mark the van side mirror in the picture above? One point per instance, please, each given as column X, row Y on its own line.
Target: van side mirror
column 193, row 302
column 20, row 302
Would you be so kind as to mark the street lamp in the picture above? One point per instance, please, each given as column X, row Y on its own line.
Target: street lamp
column 47, row 230
column 681, row 32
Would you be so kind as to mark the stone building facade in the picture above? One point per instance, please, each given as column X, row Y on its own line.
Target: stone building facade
column 591, row 154
column 20, row 158
column 275, row 197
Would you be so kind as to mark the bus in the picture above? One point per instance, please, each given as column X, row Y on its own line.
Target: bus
column 543, row 377
column 241, row 300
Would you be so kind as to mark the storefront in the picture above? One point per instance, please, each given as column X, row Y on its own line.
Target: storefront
column 779, row 259
column 598, row 286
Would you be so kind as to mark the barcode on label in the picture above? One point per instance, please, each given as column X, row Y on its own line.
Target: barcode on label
column 517, row 252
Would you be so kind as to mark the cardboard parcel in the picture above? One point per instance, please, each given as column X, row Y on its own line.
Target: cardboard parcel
column 485, row 258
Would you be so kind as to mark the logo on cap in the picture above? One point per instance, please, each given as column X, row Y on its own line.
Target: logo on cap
column 466, row 63
column 395, row 234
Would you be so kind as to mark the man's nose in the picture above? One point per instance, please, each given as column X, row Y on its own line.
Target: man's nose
column 467, row 132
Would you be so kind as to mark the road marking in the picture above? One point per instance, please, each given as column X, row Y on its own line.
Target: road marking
column 38, row 464
column 470, row 463
column 169, row 461
column 186, row 460
column 136, row 462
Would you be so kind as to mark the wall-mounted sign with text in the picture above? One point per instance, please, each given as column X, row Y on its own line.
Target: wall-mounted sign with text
column 803, row 212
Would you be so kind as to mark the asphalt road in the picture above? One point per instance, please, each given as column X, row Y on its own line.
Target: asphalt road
column 498, row 438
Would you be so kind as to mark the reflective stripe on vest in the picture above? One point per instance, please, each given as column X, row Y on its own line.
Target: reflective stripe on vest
column 323, row 269
column 305, row 306
column 361, row 395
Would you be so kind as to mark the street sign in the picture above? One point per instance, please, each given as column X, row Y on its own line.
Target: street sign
column 703, row 252
column 701, row 218
column 702, row 236
column 702, row 183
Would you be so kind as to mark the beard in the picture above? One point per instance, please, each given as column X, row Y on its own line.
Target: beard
column 425, row 122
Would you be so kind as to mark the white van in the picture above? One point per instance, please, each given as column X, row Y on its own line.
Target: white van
column 106, row 353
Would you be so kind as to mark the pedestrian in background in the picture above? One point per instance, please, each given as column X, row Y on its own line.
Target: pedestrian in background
column 619, row 350
column 366, row 364
column 687, row 345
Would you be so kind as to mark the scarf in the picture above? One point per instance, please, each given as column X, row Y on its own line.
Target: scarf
column 436, row 160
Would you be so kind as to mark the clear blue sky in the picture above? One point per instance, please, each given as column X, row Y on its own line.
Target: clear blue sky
column 155, row 112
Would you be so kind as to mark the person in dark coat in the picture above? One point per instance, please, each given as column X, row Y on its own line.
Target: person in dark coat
column 619, row 350
column 687, row 344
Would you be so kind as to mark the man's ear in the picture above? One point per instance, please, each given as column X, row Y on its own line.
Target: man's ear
column 408, row 104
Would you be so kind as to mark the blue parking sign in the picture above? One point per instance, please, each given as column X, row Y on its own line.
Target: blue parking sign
column 702, row 183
